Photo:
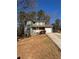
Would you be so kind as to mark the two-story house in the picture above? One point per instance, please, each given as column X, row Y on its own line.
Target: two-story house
column 36, row 27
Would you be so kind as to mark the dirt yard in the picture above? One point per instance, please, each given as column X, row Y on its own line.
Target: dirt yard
column 38, row 47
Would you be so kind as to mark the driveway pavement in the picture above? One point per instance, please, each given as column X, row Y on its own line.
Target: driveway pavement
column 56, row 37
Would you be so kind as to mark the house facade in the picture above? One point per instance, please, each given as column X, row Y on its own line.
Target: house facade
column 37, row 27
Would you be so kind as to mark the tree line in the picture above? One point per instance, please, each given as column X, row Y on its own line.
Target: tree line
column 57, row 25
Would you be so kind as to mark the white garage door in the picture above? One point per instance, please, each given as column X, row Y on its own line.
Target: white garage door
column 48, row 30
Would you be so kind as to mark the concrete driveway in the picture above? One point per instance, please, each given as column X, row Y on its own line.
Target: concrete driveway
column 56, row 37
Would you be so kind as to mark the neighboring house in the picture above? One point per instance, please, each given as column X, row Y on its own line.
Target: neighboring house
column 37, row 27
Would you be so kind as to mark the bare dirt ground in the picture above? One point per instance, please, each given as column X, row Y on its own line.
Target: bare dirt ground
column 38, row 47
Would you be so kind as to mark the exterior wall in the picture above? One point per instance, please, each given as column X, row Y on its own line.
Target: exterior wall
column 25, row 30
column 39, row 23
column 48, row 30
column 35, row 32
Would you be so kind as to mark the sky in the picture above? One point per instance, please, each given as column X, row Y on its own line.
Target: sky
column 51, row 7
